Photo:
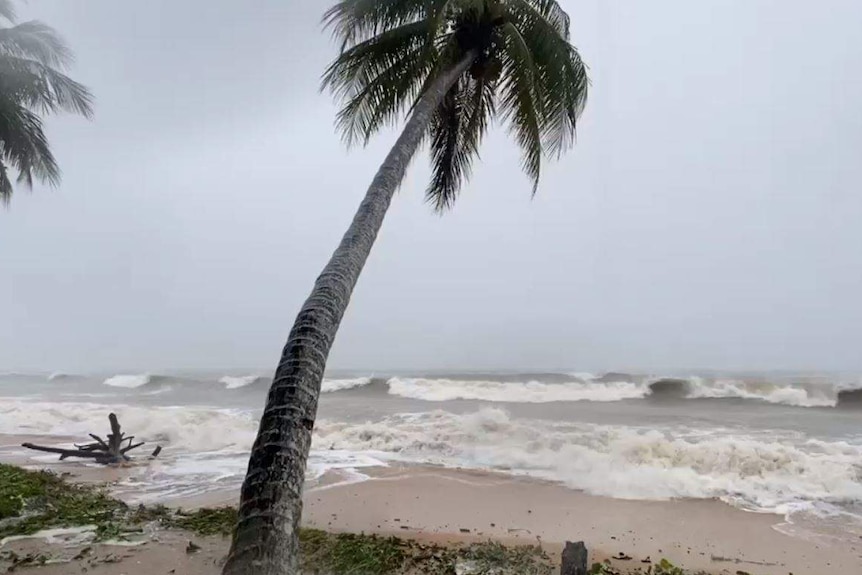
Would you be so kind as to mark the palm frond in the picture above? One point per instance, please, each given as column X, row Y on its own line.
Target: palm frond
column 481, row 110
column 36, row 41
column 7, row 10
column 561, row 78
column 548, row 10
column 521, row 106
column 378, row 77
column 355, row 67
column 24, row 146
column 455, row 138
column 446, row 54
column 32, row 59
column 43, row 88
column 449, row 157
column 353, row 21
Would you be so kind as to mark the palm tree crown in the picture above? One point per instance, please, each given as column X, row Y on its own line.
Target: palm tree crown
column 32, row 57
column 524, row 71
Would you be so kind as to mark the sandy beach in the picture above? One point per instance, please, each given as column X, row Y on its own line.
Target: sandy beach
column 451, row 506
column 699, row 535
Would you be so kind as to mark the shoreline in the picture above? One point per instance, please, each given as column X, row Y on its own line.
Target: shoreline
column 456, row 506
column 697, row 534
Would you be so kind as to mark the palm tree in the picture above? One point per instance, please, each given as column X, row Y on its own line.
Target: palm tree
column 454, row 66
column 32, row 57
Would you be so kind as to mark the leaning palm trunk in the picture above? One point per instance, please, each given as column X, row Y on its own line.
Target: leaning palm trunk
column 520, row 62
column 266, row 538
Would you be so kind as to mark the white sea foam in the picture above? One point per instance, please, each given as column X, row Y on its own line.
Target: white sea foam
column 204, row 447
column 129, row 381
column 584, row 375
column 186, row 428
column 234, row 382
column 332, row 385
column 754, row 471
column 513, row 392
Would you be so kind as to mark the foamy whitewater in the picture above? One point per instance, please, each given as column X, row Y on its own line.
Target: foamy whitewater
column 770, row 443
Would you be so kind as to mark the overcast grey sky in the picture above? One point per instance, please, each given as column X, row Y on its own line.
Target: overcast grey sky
column 708, row 217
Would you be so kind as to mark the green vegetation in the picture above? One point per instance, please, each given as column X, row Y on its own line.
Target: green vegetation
column 663, row 567
column 349, row 554
column 494, row 557
column 220, row 521
column 32, row 501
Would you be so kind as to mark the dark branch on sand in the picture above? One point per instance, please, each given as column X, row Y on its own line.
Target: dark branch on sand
column 106, row 452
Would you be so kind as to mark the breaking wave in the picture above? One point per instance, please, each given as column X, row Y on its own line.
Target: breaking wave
column 328, row 385
column 237, row 382
column 757, row 471
column 129, row 381
column 531, row 388
column 333, row 385
column 186, row 428
column 513, row 392
column 618, row 387
column 801, row 395
column 162, row 383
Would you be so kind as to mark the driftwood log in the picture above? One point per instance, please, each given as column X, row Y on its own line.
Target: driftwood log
column 108, row 452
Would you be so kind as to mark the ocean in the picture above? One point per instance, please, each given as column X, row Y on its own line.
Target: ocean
column 788, row 444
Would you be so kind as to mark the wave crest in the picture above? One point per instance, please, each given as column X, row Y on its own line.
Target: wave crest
column 129, row 381
column 618, row 387
column 513, row 392
column 333, row 385
column 237, row 382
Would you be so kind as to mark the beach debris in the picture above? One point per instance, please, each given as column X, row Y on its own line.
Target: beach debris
column 622, row 557
column 574, row 559
column 192, row 547
column 110, row 452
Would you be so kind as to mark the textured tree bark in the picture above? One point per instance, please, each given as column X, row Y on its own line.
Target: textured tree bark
column 266, row 538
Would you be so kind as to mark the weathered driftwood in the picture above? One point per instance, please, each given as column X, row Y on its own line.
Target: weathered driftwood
column 574, row 559
column 107, row 452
